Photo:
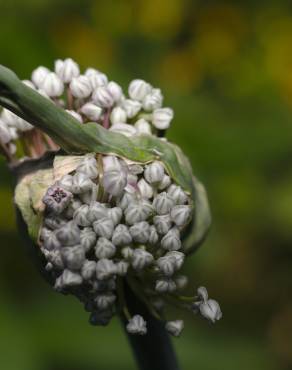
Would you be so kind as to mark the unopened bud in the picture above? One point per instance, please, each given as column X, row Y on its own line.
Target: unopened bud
column 103, row 97
column 105, row 269
column 153, row 100
column 104, row 227
column 140, row 232
column 66, row 69
column 91, row 111
column 38, row 75
column 52, row 85
column 138, row 89
column 118, row 115
column 80, row 87
column 175, row 327
column 162, row 117
column 154, row 172
column 104, row 248
column 131, row 107
column 137, row 325
column 73, row 257
column 141, row 259
column 171, row 241
column 163, row 203
column 121, row 236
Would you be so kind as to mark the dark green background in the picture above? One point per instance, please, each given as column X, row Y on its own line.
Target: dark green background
column 226, row 69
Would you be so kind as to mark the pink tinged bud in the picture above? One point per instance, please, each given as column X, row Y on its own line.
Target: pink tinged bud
column 137, row 325
column 131, row 107
column 103, row 97
column 52, row 85
column 91, row 111
column 66, row 69
column 76, row 115
column 162, row 117
column 38, row 76
column 80, row 87
column 153, row 100
column 138, row 89
column 118, row 115
column 124, row 128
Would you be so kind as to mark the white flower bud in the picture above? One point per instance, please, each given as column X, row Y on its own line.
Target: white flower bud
column 88, row 167
column 165, row 286
column 114, row 182
column 87, row 238
column 28, row 83
column 104, row 227
column 131, row 107
column 81, row 216
column 105, row 269
column 80, row 87
column 127, row 253
column 137, row 212
column 140, row 232
column 73, row 205
column 5, row 136
column 126, row 200
column 75, row 115
column 91, row 111
column 180, row 215
column 175, row 327
column 202, row 293
column 81, row 183
column 162, row 224
column 73, row 257
column 103, row 97
column 162, row 117
column 111, row 163
column 135, row 169
column 52, row 85
column 104, row 249
column 66, row 182
column 164, row 183
column 115, row 90
column 177, row 194
column 166, row 265
column 146, row 190
column 105, row 300
column 50, row 241
column 137, row 325
column 89, row 196
column 88, row 269
column 121, row 236
column 97, row 211
column 143, row 127
column 69, row 234
column 181, row 281
column 70, row 279
column 15, row 123
column 154, row 172
column 57, row 199
column 118, row 115
column 171, row 241
column 55, row 258
column 138, row 89
column 141, row 259
column 122, row 268
column 178, row 258
column 210, row 310
column 66, row 69
column 96, row 78
column 115, row 214
column 38, row 75
column 153, row 236
column 124, row 128
column 54, row 222
column 163, row 203
column 153, row 100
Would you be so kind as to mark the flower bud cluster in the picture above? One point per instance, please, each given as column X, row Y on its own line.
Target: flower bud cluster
column 110, row 220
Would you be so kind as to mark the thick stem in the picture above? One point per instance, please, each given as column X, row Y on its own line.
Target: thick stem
column 153, row 351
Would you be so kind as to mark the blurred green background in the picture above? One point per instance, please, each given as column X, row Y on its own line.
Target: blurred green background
column 226, row 69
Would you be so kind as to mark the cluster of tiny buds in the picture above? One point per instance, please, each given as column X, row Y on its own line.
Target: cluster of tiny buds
column 91, row 97
column 112, row 222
